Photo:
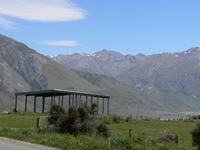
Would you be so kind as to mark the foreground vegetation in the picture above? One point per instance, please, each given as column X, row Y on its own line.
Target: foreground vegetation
column 22, row 126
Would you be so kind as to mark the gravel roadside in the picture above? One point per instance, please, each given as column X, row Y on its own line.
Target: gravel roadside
column 11, row 144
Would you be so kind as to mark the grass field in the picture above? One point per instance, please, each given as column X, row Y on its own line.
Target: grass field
column 155, row 129
column 22, row 126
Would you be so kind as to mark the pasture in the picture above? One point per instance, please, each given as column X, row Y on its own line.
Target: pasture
column 22, row 126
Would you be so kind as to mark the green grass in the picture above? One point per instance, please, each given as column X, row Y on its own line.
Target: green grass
column 63, row 141
column 154, row 129
column 19, row 120
column 22, row 126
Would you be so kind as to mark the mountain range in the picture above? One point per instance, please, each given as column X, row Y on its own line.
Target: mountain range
column 170, row 80
column 160, row 85
column 23, row 69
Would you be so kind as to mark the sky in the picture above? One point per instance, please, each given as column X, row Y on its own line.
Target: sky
column 53, row 27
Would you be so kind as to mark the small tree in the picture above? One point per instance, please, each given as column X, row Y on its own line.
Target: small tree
column 76, row 120
column 57, row 114
column 196, row 135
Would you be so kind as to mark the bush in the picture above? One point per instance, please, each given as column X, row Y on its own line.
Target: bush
column 75, row 121
column 93, row 108
column 168, row 138
column 115, row 119
column 103, row 131
column 57, row 115
column 196, row 135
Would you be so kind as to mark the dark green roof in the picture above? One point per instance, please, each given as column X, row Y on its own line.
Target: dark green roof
column 57, row 92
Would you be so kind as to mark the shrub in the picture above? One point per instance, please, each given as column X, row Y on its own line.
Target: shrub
column 196, row 135
column 75, row 121
column 168, row 138
column 102, row 130
column 57, row 115
column 78, row 120
column 93, row 108
column 115, row 119
column 71, row 123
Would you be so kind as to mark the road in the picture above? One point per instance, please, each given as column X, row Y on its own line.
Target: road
column 10, row 144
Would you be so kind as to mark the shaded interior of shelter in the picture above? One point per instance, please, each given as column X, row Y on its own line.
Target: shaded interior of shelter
column 41, row 101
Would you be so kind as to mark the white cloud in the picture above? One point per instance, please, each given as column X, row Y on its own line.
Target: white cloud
column 4, row 23
column 42, row 10
column 67, row 43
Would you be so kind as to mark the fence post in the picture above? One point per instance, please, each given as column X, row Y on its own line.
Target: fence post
column 38, row 122
column 176, row 139
column 130, row 133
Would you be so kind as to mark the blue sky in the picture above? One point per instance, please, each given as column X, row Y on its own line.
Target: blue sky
column 54, row 27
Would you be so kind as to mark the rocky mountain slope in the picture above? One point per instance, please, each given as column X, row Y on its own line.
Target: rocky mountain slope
column 156, row 86
column 175, row 71
column 178, row 71
column 105, row 62
column 170, row 80
column 23, row 69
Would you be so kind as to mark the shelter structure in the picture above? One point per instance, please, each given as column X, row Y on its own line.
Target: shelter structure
column 71, row 98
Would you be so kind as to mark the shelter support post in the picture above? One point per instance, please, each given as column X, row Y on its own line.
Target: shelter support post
column 51, row 100
column 73, row 100
column 91, row 100
column 103, row 106
column 69, row 100
column 54, row 98
column 43, row 103
column 34, row 107
column 76, row 100
column 97, row 105
column 25, row 109
column 62, row 101
column 59, row 99
column 86, row 100
column 15, row 103
column 108, row 107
